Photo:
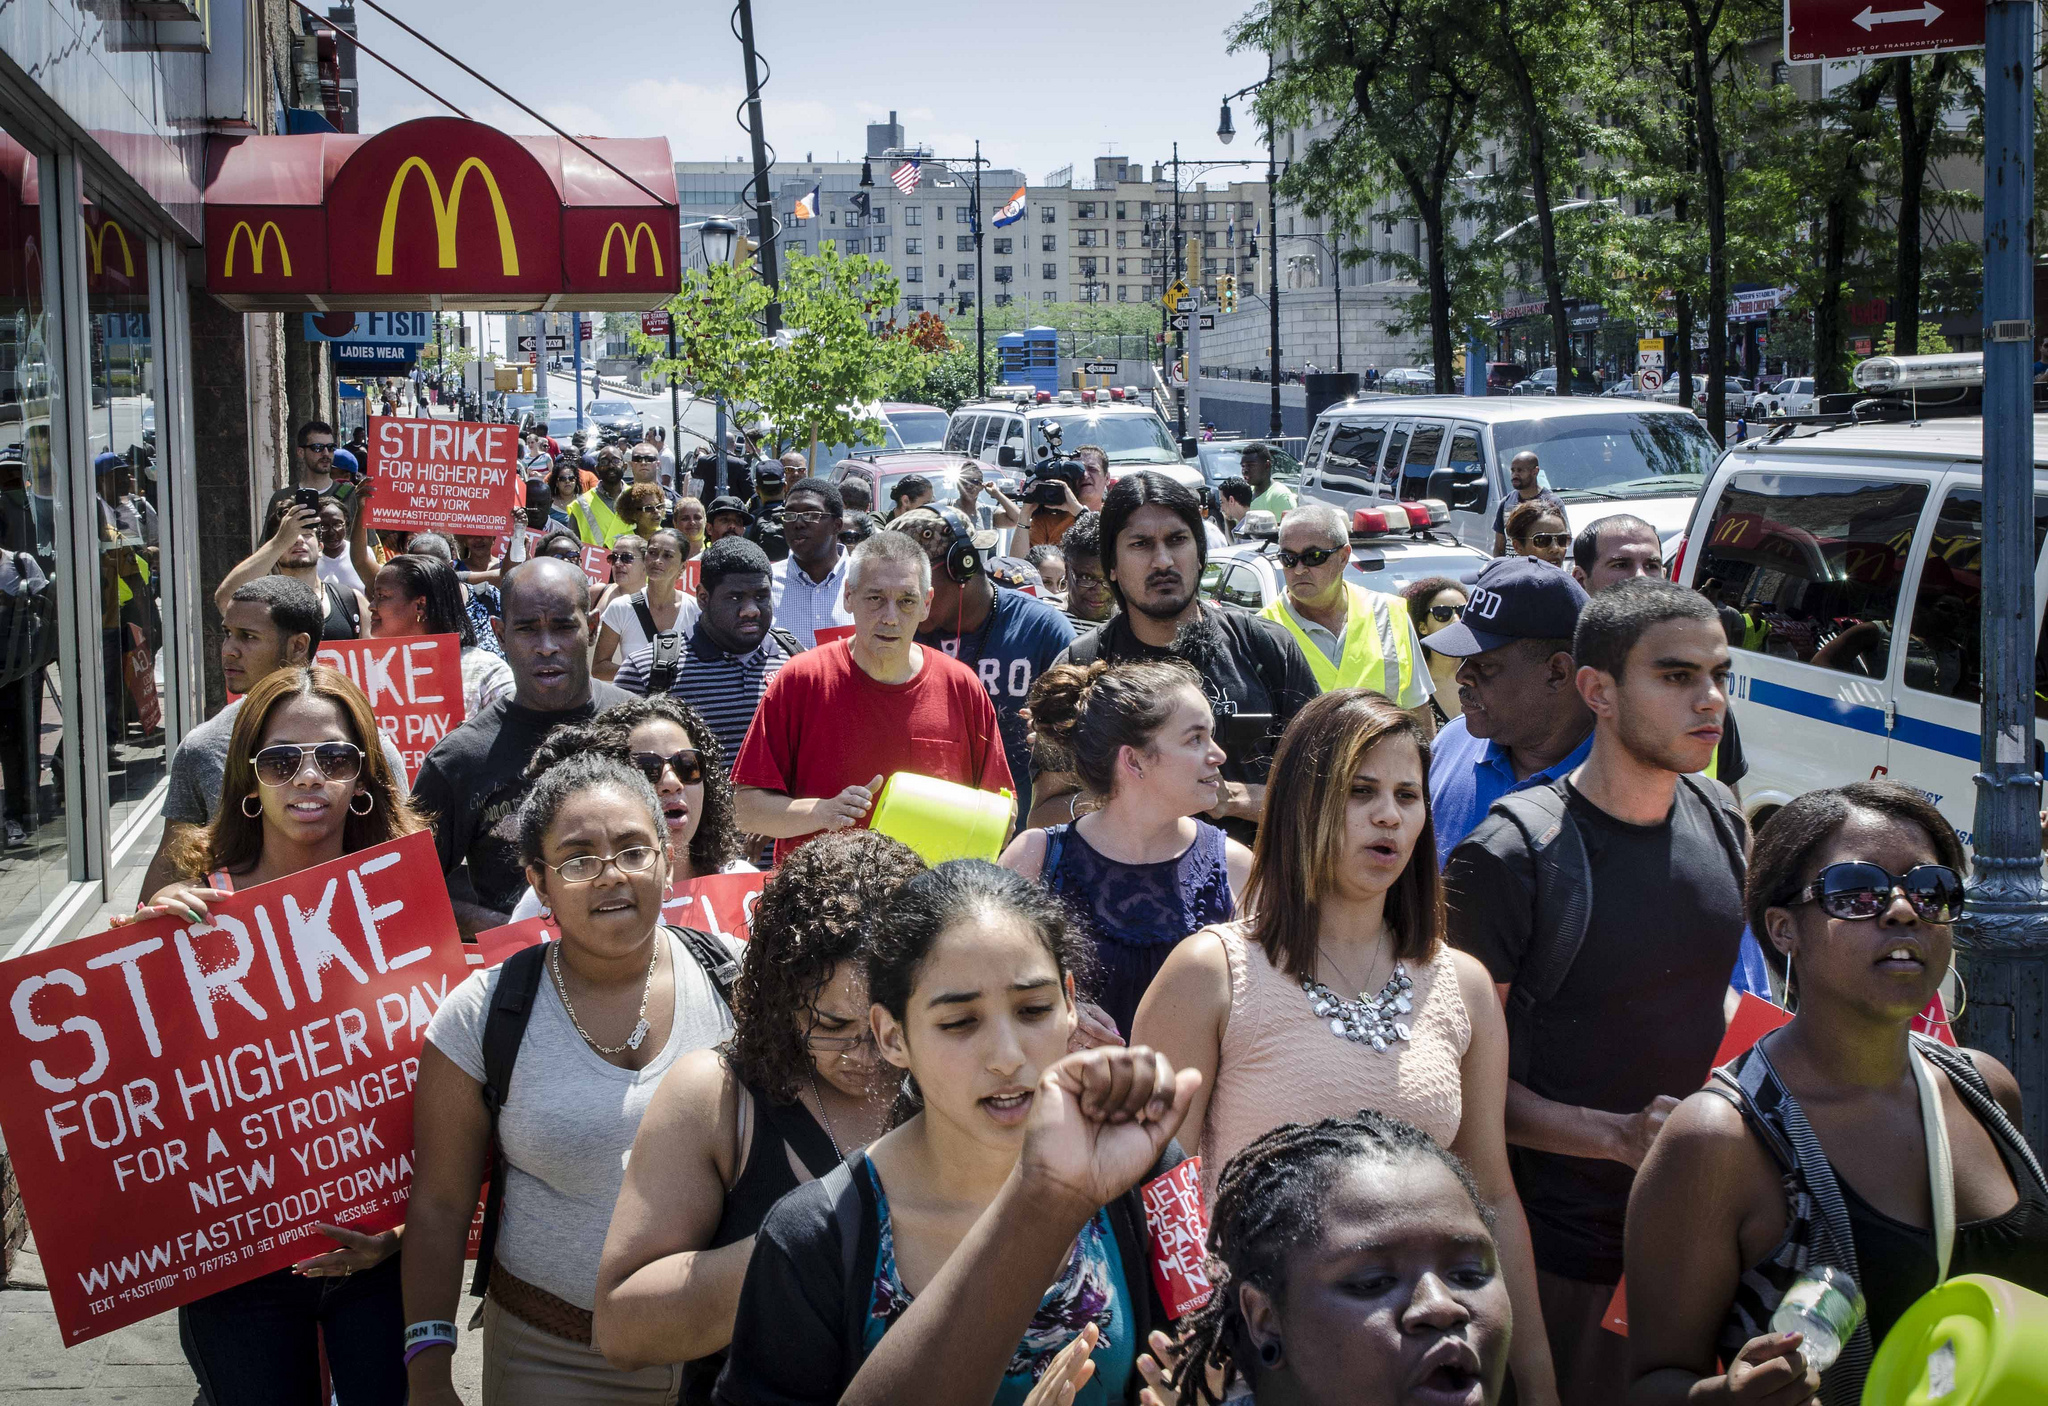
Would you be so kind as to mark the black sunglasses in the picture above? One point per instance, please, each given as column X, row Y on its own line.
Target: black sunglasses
column 688, row 765
column 281, row 764
column 646, row 458
column 1856, row 890
column 1550, row 539
column 1312, row 558
column 1447, row 613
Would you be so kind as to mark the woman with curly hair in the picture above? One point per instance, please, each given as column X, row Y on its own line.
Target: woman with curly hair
column 674, row 748
column 731, row 1130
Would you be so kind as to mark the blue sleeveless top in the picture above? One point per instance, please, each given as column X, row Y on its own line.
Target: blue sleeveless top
column 1137, row 912
column 1090, row 1287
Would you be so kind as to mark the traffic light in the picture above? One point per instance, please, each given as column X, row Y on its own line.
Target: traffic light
column 1226, row 292
column 743, row 250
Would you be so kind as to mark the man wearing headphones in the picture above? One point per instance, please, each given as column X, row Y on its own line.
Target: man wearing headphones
column 1007, row 637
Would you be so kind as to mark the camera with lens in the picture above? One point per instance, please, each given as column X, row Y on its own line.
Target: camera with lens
column 1043, row 487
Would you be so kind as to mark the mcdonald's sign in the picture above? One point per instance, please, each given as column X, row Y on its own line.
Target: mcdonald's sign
column 96, row 247
column 632, row 243
column 257, row 239
column 447, row 214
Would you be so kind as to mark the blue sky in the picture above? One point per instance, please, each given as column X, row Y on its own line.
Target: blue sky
column 1042, row 83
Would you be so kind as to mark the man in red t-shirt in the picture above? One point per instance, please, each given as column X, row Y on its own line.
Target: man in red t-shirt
column 837, row 720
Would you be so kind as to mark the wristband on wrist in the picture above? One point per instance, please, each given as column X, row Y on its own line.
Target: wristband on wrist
column 428, row 1333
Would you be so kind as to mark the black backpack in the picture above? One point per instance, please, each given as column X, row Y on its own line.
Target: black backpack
column 1564, row 891
column 505, row 1027
column 668, row 648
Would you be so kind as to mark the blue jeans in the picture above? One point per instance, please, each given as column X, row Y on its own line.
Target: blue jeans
column 258, row 1344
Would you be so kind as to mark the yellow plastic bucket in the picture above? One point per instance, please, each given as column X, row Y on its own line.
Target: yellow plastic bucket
column 942, row 820
column 1974, row 1341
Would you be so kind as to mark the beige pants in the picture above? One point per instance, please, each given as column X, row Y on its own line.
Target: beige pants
column 524, row 1366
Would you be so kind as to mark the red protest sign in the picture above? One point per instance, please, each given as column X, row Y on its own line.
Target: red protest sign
column 597, row 563
column 692, row 577
column 443, row 475
column 829, row 634
column 181, row 1102
column 414, row 685
column 1177, row 1227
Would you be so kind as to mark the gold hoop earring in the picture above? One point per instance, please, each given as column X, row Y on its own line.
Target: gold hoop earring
column 252, row 814
column 361, row 796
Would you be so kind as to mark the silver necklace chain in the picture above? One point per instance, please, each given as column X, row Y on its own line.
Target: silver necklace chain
column 819, row 1094
column 1369, row 1020
column 640, row 1028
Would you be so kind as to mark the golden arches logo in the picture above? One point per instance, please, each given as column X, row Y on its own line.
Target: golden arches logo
column 604, row 256
column 257, row 239
column 447, row 213
column 98, row 244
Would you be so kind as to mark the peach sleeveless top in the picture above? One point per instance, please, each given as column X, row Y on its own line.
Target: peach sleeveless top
column 1280, row 1064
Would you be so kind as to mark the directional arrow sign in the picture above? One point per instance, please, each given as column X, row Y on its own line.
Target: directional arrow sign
column 1098, row 368
column 1179, row 321
column 1819, row 30
column 557, row 341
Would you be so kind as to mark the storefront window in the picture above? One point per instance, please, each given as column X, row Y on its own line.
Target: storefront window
column 121, row 440
column 34, row 864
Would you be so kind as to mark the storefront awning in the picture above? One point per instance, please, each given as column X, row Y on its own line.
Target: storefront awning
column 440, row 213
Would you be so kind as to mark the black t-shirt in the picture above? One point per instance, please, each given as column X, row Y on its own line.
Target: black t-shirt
column 1515, row 500
column 1640, row 1012
column 471, row 785
column 1250, row 667
column 1730, row 765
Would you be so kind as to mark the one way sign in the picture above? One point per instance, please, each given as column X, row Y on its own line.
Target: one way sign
column 1819, row 30
column 1179, row 321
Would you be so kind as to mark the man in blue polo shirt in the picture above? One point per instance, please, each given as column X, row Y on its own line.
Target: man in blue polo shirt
column 1524, row 722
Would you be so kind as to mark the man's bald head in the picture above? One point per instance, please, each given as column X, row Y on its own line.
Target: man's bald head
column 546, row 631
column 549, row 574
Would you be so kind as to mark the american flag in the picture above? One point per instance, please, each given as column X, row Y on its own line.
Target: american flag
column 905, row 177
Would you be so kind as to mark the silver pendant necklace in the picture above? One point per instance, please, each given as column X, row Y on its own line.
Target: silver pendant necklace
column 1369, row 1020
column 640, row 1028
column 819, row 1094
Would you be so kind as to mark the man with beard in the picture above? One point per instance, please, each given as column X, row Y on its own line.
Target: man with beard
column 475, row 778
column 1254, row 674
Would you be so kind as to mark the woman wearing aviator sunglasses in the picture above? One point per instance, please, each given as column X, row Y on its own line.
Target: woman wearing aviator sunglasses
column 731, row 1130
column 669, row 743
column 1537, row 529
column 1436, row 603
column 1822, row 1144
column 305, row 783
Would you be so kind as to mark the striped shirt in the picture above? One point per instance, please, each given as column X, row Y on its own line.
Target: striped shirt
column 725, row 688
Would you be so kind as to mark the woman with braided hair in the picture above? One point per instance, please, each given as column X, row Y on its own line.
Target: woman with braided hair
column 1354, row 1265
column 796, row 1090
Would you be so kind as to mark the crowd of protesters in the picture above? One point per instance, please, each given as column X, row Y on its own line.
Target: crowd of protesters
column 1419, row 921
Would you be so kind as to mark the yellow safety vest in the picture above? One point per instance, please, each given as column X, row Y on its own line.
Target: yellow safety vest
column 596, row 523
column 1377, row 642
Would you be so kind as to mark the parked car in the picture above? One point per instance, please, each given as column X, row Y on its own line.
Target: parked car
column 1852, row 556
column 1599, row 456
column 1791, row 396
column 1408, row 380
column 1625, row 389
column 1736, row 392
column 1503, row 376
column 1544, row 382
column 1391, row 548
column 1007, row 434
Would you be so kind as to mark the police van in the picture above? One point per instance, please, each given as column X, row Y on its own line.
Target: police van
column 1847, row 552
column 1600, row 457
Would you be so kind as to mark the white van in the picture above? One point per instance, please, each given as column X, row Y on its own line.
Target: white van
column 1599, row 456
column 1854, row 556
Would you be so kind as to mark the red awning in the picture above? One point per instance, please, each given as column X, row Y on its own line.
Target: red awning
column 440, row 213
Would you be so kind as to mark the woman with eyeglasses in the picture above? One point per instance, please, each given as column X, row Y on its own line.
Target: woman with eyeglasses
column 669, row 743
column 420, row 595
column 621, row 998
column 1537, row 529
column 795, row 1091
column 659, row 606
column 1435, row 603
column 627, row 557
column 1816, row 1147
column 305, row 783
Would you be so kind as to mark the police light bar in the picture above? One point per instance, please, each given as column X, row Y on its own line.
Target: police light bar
column 1946, row 371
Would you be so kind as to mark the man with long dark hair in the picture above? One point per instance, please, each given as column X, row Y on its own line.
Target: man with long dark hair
column 1255, row 676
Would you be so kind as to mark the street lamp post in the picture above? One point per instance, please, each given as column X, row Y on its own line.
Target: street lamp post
column 1179, row 260
column 717, row 237
column 2002, row 939
column 1337, row 283
column 1225, row 130
column 764, row 198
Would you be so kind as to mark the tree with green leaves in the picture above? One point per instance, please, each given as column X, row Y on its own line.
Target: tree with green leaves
column 720, row 349
column 1398, row 87
column 836, row 357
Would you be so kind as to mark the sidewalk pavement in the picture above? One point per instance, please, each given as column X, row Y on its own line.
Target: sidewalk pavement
column 139, row 1365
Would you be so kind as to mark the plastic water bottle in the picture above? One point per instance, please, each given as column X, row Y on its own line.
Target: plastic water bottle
column 1825, row 1305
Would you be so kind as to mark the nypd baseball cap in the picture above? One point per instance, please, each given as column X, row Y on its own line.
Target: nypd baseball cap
column 1515, row 598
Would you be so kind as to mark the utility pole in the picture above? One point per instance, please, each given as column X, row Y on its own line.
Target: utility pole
column 576, row 345
column 980, row 332
column 540, row 371
column 1275, row 426
column 1180, row 399
column 764, row 195
column 675, row 409
column 2002, row 940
